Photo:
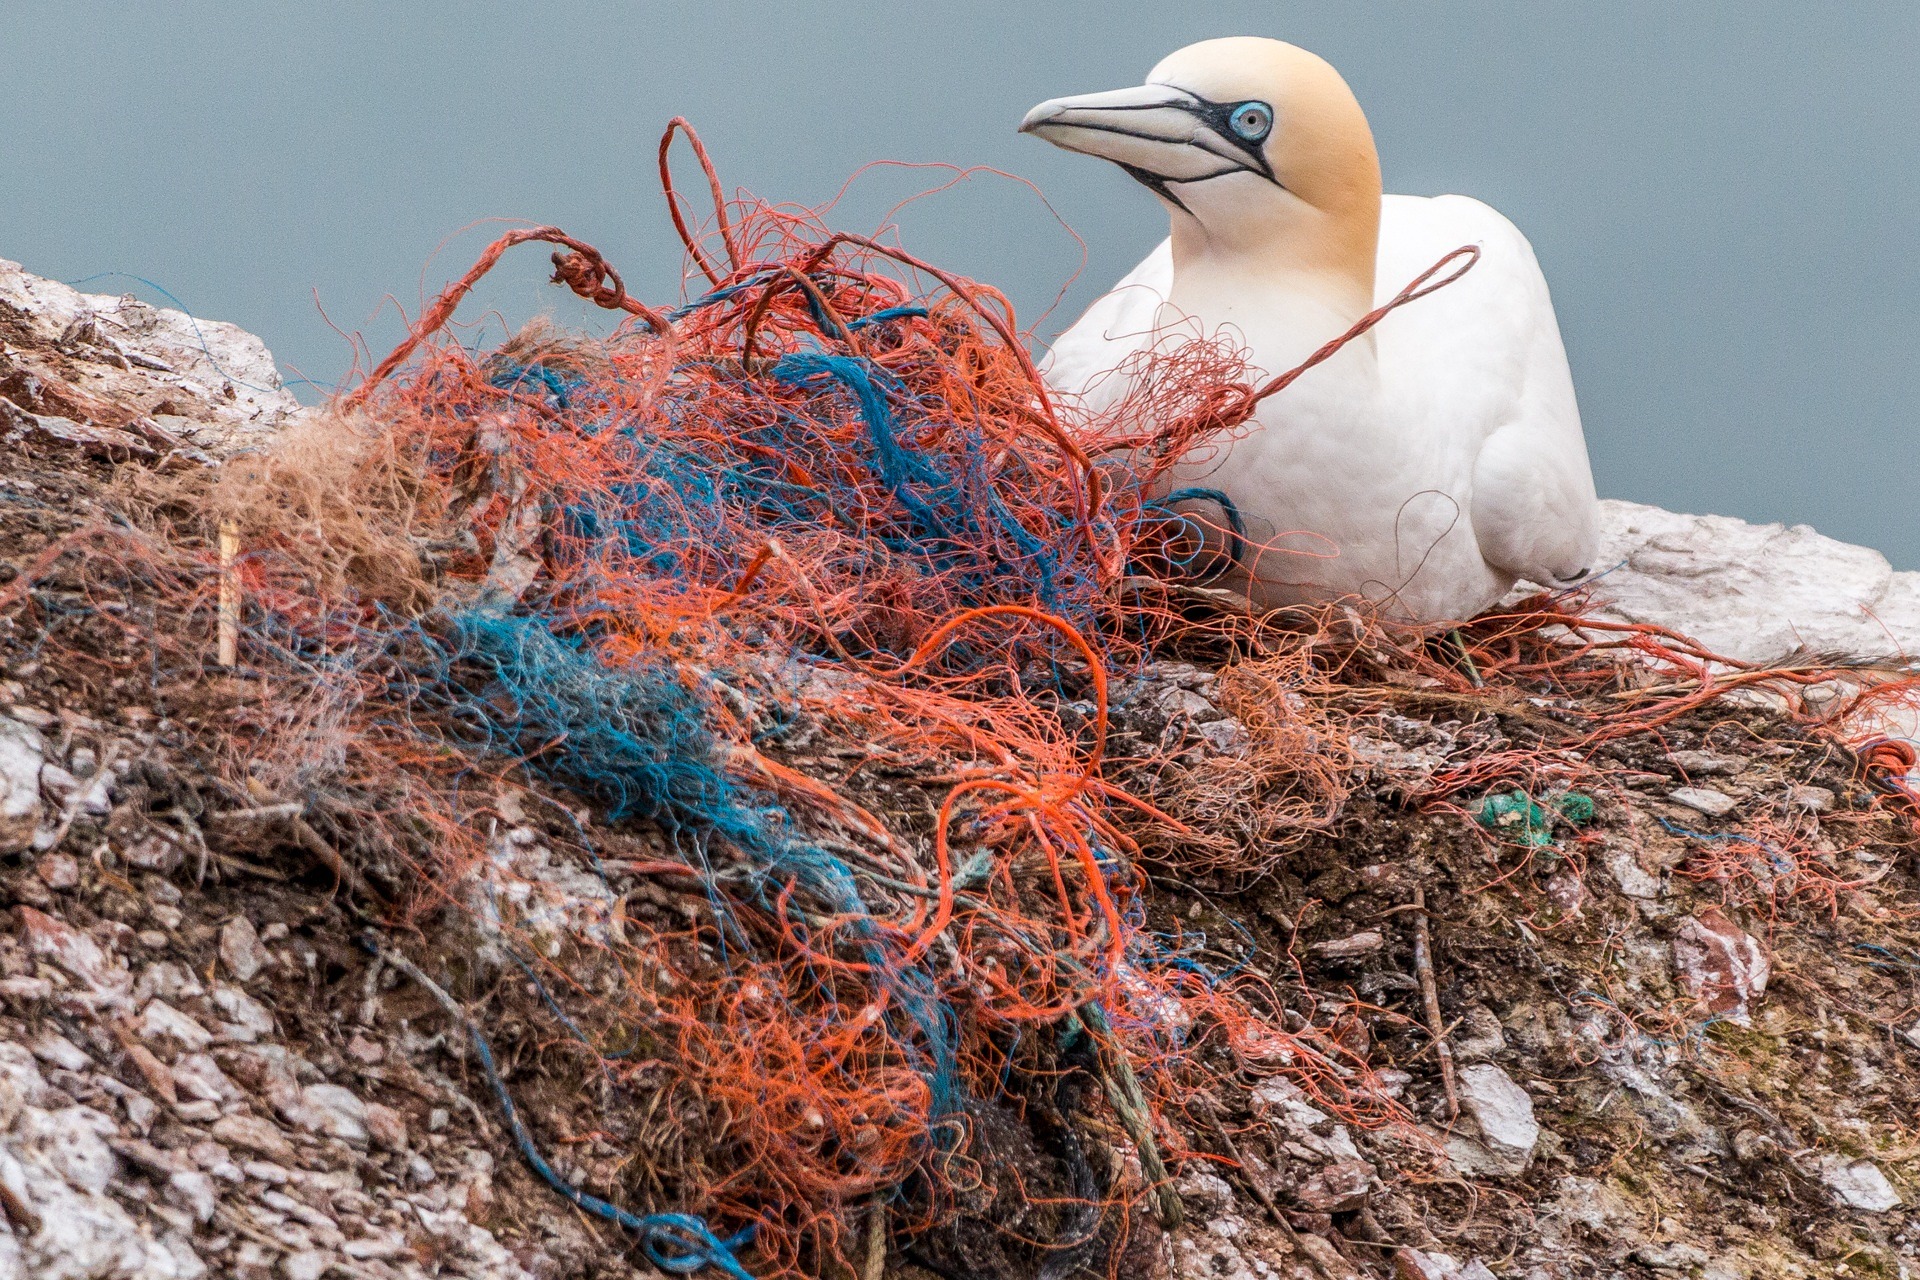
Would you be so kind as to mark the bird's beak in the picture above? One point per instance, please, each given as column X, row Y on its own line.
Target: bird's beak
column 1154, row 132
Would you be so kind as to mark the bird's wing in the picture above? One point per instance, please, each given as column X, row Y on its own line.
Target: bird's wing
column 1084, row 362
column 1481, row 365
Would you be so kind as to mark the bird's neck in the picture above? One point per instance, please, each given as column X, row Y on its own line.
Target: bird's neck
column 1281, row 295
column 1323, row 257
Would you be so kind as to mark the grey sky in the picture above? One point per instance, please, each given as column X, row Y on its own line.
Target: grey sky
column 1724, row 193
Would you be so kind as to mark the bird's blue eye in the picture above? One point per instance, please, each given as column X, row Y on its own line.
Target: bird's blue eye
column 1252, row 121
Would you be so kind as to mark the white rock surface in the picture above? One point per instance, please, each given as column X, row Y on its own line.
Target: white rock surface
column 227, row 373
column 1756, row 592
column 58, row 1164
column 22, row 755
column 160, row 1021
column 1503, row 1113
column 1753, row 591
column 1634, row 880
column 1715, row 804
column 240, row 948
column 1859, row 1184
column 330, row 1109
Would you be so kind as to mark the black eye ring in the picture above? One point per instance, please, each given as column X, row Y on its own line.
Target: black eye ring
column 1251, row 121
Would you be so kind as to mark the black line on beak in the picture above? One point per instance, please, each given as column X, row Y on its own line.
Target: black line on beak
column 1156, row 184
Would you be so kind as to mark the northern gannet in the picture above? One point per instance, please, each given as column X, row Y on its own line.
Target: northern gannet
column 1431, row 463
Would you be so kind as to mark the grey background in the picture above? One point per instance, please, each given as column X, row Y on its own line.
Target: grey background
column 1724, row 193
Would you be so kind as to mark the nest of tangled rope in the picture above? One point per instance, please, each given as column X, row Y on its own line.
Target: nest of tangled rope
column 829, row 498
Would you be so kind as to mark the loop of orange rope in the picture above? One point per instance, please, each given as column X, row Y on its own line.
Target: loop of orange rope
column 679, row 124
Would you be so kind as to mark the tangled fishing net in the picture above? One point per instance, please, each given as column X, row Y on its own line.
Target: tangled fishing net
column 807, row 577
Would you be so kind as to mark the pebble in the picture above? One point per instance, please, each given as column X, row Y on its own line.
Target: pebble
column 1678, row 1256
column 1205, row 1192
column 1364, row 943
column 1336, row 1188
column 167, row 980
column 250, row 1019
column 251, row 1133
column 1634, row 880
column 193, row 1191
column 372, row 1247
column 58, row 1051
column 386, row 1127
column 1415, row 1264
column 1720, row 965
column 68, row 948
column 1810, row 799
column 22, row 752
column 1858, row 1184
column 58, row 871
column 367, row 1052
column 240, row 949
column 306, row 1264
column 161, row 1021
column 1504, row 1114
column 199, row 1075
column 216, row 1160
column 1418, row 1264
column 1480, row 1035
column 331, row 1110
column 96, row 799
column 1392, row 1082
column 141, row 1110
column 24, row 988
column 1225, row 737
column 1715, row 804
column 1705, row 764
column 154, row 852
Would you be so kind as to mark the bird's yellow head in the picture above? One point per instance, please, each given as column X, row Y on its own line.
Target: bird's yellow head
column 1258, row 142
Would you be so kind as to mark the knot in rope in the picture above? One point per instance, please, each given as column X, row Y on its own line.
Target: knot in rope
column 584, row 271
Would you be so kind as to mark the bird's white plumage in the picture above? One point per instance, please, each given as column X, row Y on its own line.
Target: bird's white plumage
column 1429, row 483
column 1428, row 464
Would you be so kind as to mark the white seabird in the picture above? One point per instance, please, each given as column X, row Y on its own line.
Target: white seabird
column 1429, row 464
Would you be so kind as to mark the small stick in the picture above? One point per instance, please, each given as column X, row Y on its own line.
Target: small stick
column 876, row 1240
column 229, row 594
column 1436, row 1026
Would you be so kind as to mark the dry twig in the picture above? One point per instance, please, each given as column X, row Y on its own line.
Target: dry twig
column 1430, row 992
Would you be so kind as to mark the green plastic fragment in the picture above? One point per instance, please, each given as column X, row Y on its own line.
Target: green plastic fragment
column 1518, row 818
column 1521, row 819
column 1576, row 807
